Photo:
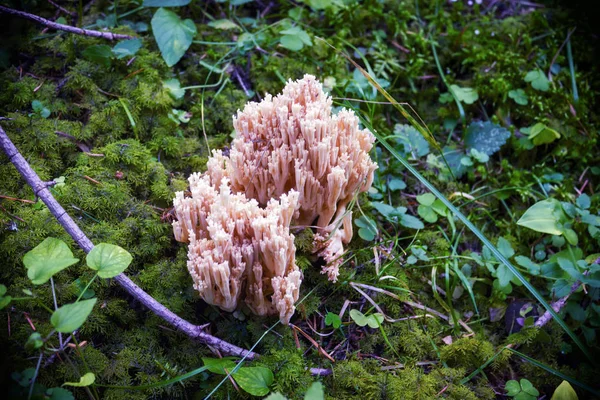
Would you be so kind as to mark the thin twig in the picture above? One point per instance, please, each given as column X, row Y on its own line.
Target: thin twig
column 66, row 28
column 41, row 189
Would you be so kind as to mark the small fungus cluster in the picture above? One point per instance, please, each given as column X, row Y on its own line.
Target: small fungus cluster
column 293, row 162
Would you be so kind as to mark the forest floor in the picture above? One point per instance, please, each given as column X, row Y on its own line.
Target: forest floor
column 484, row 209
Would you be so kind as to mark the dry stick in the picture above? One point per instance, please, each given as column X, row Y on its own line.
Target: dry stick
column 66, row 28
column 40, row 189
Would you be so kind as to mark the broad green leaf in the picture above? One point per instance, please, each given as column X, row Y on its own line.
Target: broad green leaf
column 385, row 209
column 540, row 134
column 172, row 35
column 466, row 95
column 505, row 248
column 254, row 380
column 333, row 320
column 408, row 221
column 564, row 391
column 4, row 301
column 512, row 388
column 569, row 267
column 315, row 392
column 85, row 380
column 71, row 316
column 2, row 290
column 584, row 201
column 99, row 53
column 544, row 216
column 108, row 259
column 218, row 365
column 298, row 32
column 291, row 42
column 396, row 184
column 528, row 388
column 411, row 140
column 486, row 137
column 46, row 259
column 166, row 3
column 538, row 80
column 427, row 213
column 174, row 88
column 519, row 96
column 367, row 228
column 126, row 48
column 504, row 275
column 426, row 199
column 224, row 24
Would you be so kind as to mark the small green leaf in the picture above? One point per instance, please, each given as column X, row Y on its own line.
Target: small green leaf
column 174, row 88
column 315, row 392
column 584, row 201
column 486, row 137
column 85, row 380
column 333, row 320
column 427, row 213
column 224, row 24
column 368, row 228
column 540, row 134
column 564, row 391
column 218, row 365
column 172, row 35
column 519, row 96
column 34, row 341
column 4, row 301
column 504, row 275
column 396, row 184
column 505, row 248
column 375, row 320
column 291, row 42
column 2, row 290
column 108, row 259
column 466, row 95
column 99, row 54
column 71, row 316
column 408, row 221
column 126, row 48
column 46, row 259
column 544, row 216
column 254, row 380
column 512, row 388
column 359, row 318
column 538, row 80
column 426, row 199
column 528, row 388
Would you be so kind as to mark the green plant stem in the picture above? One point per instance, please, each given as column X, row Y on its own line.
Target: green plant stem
column 572, row 71
column 86, row 288
column 85, row 364
column 37, row 370
column 461, row 110
column 60, row 338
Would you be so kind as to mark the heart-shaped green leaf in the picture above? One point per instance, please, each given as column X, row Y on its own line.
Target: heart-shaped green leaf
column 108, row 259
column 71, row 316
column 46, row 259
column 172, row 35
column 254, row 380
column 544, row 216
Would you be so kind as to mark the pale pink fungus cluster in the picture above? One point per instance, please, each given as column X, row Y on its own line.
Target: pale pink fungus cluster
column 292, row 162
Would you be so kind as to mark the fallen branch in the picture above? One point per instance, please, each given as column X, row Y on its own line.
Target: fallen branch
column 40, row 189
column 558, row 304
column 66, row 28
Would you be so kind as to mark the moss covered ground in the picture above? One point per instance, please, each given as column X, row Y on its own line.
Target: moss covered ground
column 509, row 92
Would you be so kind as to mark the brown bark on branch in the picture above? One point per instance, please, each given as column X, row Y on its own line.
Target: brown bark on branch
column 40, row 189
column 66, row 28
